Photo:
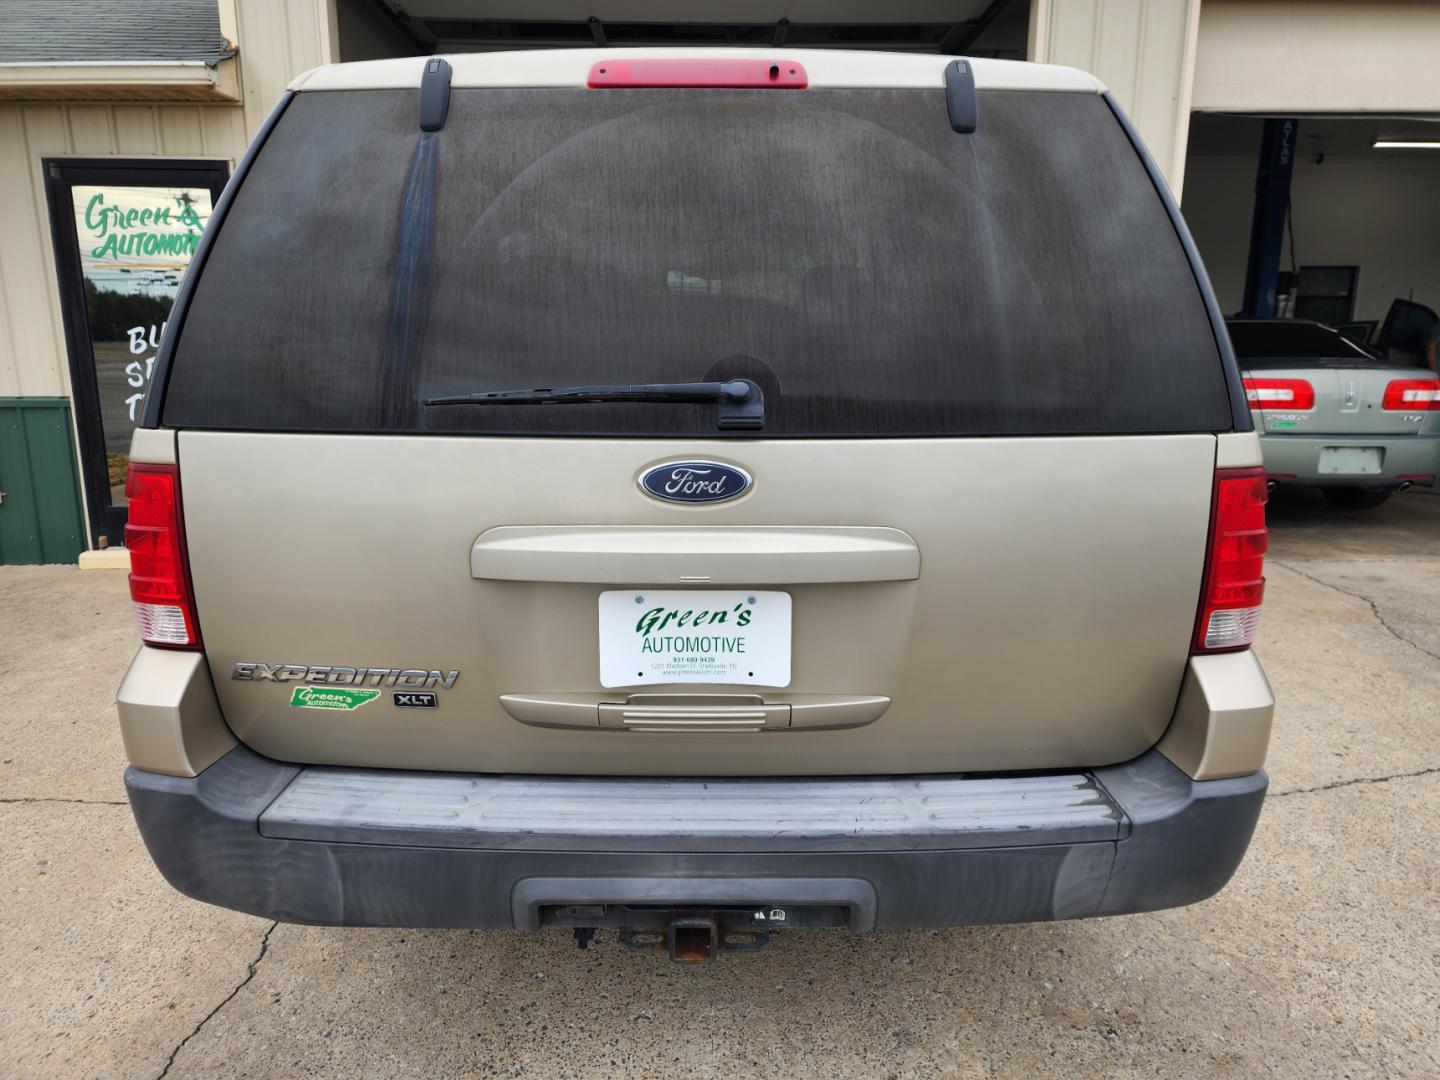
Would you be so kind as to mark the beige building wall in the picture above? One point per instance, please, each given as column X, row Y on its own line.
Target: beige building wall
column 33, row 361
column 1332, row 56
column 1164, row 58
column 277, row 40
column 1143, row 50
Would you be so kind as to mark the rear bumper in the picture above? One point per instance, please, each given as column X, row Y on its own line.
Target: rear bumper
column 357, row 847
column 1297, row 458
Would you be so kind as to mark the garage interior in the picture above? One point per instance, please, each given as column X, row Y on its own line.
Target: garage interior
column 1360, row 227
column 375, row 29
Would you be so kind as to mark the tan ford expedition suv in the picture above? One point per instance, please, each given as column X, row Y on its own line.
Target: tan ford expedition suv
column 692, row 493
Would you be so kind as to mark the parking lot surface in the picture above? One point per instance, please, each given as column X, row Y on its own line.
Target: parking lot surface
column 1321, row 958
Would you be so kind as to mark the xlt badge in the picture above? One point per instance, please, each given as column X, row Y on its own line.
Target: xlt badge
column 414, row 699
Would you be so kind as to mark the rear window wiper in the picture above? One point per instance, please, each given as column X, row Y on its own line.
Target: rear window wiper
column 741, row 402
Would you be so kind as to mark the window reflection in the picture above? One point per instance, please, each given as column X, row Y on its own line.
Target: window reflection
column 135, row 243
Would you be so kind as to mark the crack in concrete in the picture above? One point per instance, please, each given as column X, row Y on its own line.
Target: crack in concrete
column 1374, row 607
column 80, row 802
column 249, row 974
column 1358, row 780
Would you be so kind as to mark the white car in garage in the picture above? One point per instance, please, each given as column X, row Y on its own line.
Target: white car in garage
column 1334, row 415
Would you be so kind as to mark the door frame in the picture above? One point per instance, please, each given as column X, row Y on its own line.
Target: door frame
column 61, row 175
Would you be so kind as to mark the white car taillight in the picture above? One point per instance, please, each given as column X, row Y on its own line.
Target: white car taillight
column 1286, row 394
column 1412, row 395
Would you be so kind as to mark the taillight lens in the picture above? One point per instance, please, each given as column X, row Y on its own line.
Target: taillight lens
column 159, row 567
column 1234, row 582
column 1283, row 394
column 1412, row 395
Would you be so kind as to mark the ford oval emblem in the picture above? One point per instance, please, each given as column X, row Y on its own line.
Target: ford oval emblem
column 694, row 481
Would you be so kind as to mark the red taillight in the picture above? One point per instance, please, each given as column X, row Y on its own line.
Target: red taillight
column 1282, row 394
column 159, row 567
column 758, row 74
column 1412, row 395
column 1234, row 582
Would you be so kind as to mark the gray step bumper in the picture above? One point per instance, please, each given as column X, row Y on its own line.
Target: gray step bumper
column 364, row 847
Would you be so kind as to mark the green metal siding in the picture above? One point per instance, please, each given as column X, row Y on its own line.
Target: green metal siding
column 40, row 516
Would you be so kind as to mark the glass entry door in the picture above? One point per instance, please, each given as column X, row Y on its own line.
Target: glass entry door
column 125, row 232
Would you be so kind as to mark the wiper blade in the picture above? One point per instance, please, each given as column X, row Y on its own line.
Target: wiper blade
column 741, row 402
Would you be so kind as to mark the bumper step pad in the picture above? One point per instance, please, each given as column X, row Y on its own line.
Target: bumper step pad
column 365, row 847
column 363, row 806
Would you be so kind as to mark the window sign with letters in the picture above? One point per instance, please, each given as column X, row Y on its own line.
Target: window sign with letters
column 135, row 243
column 125, row 231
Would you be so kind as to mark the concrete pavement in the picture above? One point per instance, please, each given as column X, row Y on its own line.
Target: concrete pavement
column 1321, row 957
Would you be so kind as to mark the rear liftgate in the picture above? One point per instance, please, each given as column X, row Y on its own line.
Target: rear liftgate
column 686, row 934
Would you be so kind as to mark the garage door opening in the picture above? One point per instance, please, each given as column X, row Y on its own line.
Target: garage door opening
column 1332, row 219
column 1320, row 235
column 378, row 29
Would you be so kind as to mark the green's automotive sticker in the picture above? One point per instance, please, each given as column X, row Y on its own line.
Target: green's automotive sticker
column 329, row 697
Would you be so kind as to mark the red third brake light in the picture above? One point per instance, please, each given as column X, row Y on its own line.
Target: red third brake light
column 1281, row 394
column 159, row 566
column 758, row 74
column 1412, row 395
column 1234, row 582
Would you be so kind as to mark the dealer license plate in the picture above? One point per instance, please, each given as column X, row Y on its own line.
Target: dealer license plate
column 650, row 637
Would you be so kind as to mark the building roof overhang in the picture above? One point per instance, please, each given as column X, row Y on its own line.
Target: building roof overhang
column 120, row 80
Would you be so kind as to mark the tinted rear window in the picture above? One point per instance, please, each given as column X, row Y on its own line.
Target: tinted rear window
column 1286, row 342
column 875, row 272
